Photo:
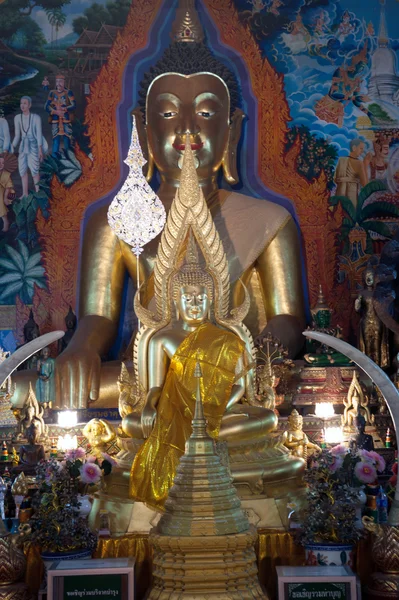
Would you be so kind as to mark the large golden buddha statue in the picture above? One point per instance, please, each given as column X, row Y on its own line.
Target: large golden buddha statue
column 188, row 90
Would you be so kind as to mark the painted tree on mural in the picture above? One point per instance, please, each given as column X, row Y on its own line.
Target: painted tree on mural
column 370, row 216
column 14, row 12
column 113, row 13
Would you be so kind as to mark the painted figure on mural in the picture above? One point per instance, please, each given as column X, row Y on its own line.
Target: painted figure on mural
column 297, row 37
column 5, row 139
column 378, row 164
column 350, row 173
column 60, row 105
column 393, row 173
column 274, row 7
column 345, row 89
column 320, row 25
column 346, row 27
column 373, row 334
column 8, row 164
column 45, row 389
column 258, row 6
column 29, row 143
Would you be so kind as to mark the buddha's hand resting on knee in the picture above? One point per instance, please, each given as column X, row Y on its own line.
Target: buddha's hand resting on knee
column 77, row 377
column 150, row 411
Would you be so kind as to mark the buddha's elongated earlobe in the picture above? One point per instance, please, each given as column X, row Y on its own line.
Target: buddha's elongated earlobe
column 229, row 163
column 150, row 165
column 177, row 311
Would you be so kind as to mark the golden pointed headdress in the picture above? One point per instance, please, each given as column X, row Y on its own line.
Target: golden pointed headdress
column 189, row 213
column 186, row 26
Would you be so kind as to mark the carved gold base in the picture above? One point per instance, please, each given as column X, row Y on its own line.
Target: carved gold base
column 206, row 567
column 16, row 591
column 383, row 585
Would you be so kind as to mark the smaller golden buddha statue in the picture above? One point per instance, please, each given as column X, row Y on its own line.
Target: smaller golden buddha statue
column 31, row 413
column 99, row 434
column 356, row 404
column 296, row 440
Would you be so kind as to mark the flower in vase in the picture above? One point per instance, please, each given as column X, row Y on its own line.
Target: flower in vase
column 91, row 459
column 110, row 459
column 365, row 472
column 75, row 454
column 90, row 473
column 337, row 463
column 339, row 450
column 378, row 461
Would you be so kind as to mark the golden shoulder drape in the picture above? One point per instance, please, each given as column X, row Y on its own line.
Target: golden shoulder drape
column 218, row 352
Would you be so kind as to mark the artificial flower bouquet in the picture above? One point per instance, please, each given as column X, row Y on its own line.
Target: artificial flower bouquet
column 56, row 525
column 334, row 480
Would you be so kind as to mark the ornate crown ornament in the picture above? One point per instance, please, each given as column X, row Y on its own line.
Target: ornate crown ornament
column 136, row 214
column 189, row 213
column 187, row 26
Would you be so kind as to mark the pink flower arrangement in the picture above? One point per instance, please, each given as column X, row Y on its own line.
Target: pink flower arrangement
column 339, row 450
column 90, row 473
column 90, row 458
column 75, row 454
column 365, row 472
column 374, row 458
column 110, row 459
column 337, row 463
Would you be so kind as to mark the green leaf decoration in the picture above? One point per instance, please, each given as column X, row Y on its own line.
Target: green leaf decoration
column 16, row 258
column 378, row 227
column 11, row 289
column 380, row 209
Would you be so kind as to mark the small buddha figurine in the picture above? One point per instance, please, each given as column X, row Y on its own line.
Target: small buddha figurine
column 45, row 384
column 31, row 412
column 355, row 404
column 70, row 323
column 296, row 440
column 31, row 332
column 99, row 434
column 373, row 334
column 31, row 453
column 318, row 354
column 129, row 399
column 362, row 441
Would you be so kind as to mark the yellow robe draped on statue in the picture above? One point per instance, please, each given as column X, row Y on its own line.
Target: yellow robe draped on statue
column 218, row 352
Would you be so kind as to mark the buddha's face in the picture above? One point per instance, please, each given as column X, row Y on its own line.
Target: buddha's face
column 198, row 104
column 295, row 422
column 193, row 304
column 96, row 430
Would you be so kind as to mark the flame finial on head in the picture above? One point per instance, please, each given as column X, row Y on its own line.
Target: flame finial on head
column 186, row 26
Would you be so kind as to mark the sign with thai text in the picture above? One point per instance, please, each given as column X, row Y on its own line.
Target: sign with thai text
column 107, row 579
column 316, row 583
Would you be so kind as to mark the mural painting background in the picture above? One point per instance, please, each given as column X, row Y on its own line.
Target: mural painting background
column 325, row 82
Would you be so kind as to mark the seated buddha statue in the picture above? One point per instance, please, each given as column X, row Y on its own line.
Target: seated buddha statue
column 192, row 323
column 296, row 440
column 32, row 452
column 188, row 89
